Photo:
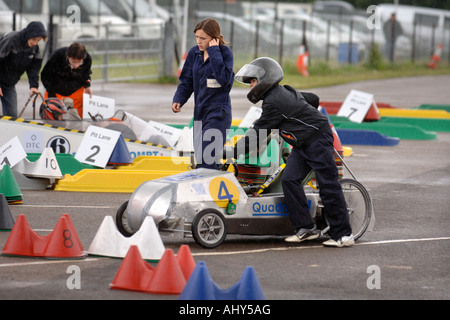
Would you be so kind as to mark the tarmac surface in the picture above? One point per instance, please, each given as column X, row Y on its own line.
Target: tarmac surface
column 407, row 253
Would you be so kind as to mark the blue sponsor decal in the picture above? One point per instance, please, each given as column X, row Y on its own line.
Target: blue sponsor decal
column 186, row 176
column 260, row 209
column 134, row 155
column 279, row 209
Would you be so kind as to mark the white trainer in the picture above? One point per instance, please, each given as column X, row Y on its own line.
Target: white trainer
column 345, row 241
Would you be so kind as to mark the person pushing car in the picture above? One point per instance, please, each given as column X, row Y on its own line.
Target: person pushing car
column 307, row 130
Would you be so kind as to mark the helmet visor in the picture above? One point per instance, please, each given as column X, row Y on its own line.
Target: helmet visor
column 248, row 72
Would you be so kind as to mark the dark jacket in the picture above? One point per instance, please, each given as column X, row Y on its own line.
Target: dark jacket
column 286, row 109
column 58, row 76
column 16, row 57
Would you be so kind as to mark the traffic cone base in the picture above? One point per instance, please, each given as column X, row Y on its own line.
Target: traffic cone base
column 9, row 186
column 46, row 166
column 167, row 278
column 134, row 273
column 6, row 219
column 436, row 57
column 109, row 242
column 120, row 154
column 302, row 61
column 62, row 242
column 201, row 287
column 186, row 261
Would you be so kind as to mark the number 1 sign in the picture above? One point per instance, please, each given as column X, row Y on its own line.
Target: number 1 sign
column 11, row 153
column 356, row 106
column 97, row 146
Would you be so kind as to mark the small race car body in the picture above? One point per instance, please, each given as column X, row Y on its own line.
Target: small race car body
column 210, row 204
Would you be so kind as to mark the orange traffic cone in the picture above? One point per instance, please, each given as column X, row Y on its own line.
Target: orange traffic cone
column 339, row 149
column 302, row 61
column 180, row 67
column 168, row 277
column 21, row 239
column 134, row 273
column 186, row 261
column 436, row 57
column 63, row 241
column 337, row 142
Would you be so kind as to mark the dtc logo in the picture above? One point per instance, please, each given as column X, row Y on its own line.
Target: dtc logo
column 59, row 144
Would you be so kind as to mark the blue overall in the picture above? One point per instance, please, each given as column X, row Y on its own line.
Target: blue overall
column 211, row 82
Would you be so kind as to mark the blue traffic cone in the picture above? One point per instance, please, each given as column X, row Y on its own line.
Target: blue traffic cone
column 120, row 154
column 249, row 287
column 200, row 285
column 6, row 219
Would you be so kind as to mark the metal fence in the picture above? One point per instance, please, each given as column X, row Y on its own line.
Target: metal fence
column 137, row 51
column 254, row 30
column 120, row 52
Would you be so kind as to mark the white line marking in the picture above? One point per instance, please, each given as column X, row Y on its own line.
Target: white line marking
column 232, row 252
column 62, row 206
column 47, row 262
column 315, row 247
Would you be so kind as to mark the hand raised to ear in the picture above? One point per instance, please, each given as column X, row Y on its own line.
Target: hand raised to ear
column 214, row 42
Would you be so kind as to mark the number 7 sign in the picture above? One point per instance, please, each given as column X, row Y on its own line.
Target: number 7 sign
column 97, row 146
column 356, row 106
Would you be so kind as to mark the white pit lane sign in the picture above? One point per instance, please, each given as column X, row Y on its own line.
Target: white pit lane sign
column 97, row 146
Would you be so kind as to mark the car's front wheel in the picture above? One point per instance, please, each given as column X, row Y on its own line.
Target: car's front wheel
column 209, row 228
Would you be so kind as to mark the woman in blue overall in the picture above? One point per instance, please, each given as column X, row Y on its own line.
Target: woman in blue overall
column 208, row 73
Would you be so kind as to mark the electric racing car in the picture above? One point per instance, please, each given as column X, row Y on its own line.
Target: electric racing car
column 209, row 204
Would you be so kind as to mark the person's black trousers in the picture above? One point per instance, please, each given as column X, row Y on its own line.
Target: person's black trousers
column 319, row 156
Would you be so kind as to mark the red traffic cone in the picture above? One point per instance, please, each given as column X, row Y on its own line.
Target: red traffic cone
column 302, row 61
column 134, row 273
column 168, row 277
column 186, row 261
column 337, row 142
column 63, row 241
column 436, row 57
column 22, row 241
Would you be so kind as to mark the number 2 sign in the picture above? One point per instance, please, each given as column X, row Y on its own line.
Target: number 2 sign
column 97, row 146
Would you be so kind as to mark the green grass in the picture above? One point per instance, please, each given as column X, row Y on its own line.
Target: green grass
column 321, row 73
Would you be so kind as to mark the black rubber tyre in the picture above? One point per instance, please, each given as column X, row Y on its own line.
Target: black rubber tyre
column 209, row 228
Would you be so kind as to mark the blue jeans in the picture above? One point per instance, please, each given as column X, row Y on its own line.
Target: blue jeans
column 9, row 101
column 318, row 156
